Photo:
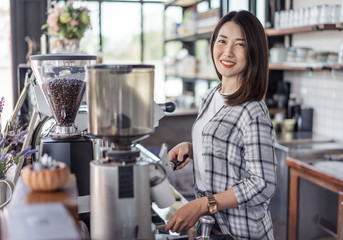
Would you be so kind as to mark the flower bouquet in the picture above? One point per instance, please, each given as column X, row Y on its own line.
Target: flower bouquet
column 66, row 26
column 68, row 22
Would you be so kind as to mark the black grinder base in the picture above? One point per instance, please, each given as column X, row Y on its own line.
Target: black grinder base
column 76, row 153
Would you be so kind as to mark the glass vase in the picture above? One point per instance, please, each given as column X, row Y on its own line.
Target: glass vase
column 71, row 45
column 64, row 45
column 4, row 185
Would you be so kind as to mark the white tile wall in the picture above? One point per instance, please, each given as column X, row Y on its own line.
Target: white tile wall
column 322, row 90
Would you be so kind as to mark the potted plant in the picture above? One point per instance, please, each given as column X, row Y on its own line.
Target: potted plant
column 11, row 155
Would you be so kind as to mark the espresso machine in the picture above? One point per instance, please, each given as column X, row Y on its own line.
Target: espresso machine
column 61, row 78
column 121, row 111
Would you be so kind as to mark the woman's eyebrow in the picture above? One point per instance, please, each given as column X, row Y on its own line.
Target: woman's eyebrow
column 237, row 39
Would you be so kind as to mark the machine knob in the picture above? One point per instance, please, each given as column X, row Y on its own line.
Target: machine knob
column 167, row 107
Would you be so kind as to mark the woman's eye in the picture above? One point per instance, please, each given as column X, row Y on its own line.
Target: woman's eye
column 221, row 41
column 240, row 44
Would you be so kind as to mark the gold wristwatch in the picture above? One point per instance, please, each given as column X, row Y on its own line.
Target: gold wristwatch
column 212, row 204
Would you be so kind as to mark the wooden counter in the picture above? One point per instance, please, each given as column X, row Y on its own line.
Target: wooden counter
column 30, row 211
column 23, row 195
column 301, row 169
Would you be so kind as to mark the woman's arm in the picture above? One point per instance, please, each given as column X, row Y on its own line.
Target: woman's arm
column 188, row 215
column 259, row 157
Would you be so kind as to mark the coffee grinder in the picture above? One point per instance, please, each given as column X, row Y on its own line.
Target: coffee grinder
column 61, row 78
column 121, row 111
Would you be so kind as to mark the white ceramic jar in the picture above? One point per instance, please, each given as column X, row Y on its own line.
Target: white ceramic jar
column 277, row 54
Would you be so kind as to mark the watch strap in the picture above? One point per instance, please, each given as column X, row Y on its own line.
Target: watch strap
column 212, row 204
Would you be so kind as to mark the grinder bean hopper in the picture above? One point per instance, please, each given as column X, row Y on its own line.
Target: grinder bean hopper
column 61, row 78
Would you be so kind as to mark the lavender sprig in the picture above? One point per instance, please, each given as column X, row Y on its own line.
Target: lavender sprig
column 19, row 137
column 27, row 152
column 3, row 156
column 3, row 140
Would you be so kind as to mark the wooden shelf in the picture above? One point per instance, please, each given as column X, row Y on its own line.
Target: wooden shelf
column 192, row 78
column 189, row 37
column 319, row 27
column 300, row 67
column 208, row 30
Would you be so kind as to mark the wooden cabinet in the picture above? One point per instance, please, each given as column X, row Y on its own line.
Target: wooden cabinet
column 302, row 170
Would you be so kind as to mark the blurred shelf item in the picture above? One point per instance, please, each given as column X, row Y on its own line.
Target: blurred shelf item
column 273, row 111
column 338, row 67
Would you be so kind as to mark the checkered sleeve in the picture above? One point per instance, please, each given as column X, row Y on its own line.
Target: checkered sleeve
column 259, row 183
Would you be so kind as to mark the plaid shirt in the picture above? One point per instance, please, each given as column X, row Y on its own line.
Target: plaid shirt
column 238, row 150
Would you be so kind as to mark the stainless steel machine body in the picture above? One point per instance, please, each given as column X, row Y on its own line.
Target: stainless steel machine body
column 120, row 201
column 121, row 110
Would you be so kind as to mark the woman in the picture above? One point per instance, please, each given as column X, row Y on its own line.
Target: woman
column 233, row 137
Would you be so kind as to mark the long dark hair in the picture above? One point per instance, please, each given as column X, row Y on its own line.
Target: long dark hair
column 254, row 81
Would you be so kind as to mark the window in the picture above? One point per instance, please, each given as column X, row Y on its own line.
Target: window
column 120, row 28
column 153, row 44
column 128, row 32
column 5, row 63
column 90, row 43
column 261, row 11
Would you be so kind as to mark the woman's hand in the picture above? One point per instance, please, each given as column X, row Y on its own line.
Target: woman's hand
column 187, row 216
column 179, row 151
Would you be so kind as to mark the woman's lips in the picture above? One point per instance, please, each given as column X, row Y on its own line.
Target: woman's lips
column 227, row 64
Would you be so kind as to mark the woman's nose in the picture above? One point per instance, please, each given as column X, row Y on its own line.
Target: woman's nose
column 229, row 50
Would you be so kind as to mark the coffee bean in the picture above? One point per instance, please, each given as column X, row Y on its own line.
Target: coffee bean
column 64, row 97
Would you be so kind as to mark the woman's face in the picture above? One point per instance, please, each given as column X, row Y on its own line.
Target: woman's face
column 229, row 51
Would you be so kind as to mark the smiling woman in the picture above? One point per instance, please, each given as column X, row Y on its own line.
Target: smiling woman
column 233, row 140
